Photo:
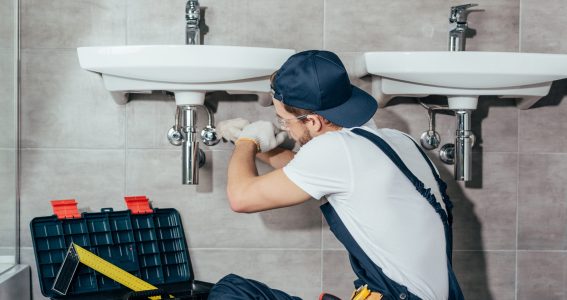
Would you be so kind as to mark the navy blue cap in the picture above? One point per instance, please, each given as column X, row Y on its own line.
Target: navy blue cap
column 317, row 81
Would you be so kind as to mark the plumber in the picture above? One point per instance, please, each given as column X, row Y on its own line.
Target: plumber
column 385, row 200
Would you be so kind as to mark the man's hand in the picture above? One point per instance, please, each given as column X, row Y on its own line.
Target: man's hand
column 266, row 135
column 229, row 130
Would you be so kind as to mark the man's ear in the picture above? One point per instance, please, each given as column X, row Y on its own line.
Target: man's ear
column 316, row 122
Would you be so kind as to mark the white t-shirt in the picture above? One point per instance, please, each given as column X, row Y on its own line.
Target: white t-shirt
column 393, row 224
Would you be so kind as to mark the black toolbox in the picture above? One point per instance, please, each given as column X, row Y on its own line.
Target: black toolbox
column 148, row 243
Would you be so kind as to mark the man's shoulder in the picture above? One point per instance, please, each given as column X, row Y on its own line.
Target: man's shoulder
column 390, row 134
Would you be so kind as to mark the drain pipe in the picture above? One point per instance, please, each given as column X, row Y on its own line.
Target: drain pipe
column 184, row 133
column 190, row 145
column 464, row 141
column 460, row 153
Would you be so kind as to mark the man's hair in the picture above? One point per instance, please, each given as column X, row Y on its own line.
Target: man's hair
column 300, row 111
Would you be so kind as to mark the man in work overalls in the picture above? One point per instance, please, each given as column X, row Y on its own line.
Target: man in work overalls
column 386, row 202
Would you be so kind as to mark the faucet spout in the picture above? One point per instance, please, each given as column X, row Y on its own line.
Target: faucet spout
column 457, row 36
column 192, row 18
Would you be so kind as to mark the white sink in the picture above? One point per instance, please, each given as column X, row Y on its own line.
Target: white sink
column 463, row 76
column 189, row 71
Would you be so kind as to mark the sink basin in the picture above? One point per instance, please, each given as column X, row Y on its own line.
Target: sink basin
column 463, row 76
column 189, row 71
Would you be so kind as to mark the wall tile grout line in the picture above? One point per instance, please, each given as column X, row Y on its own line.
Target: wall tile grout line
column 324, row 23
column 238, row 249
column 125, row 171
column 228, row 150
column 322, row 253
column 520, row 26
column 125, row 127
column 257, row 249
column 72, row 149
column 517, row 219
column 125, row 22
column 95, row 149
column 518, row 165
column 543, row 251
column 322, row 222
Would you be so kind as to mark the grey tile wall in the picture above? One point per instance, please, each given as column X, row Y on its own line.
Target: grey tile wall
column 297, row 272
column 7, row 24
column 292, row 24
column 496, row 24
column 542, row 129
column 79, row 144
column 539, row 27
column 8, row 198
column 7, row 102
column 542, row 202
column 541, row 275
column 167, row 25
column 542, row 146
column 486, row 274
column 64, row 106
column 385, row 25
column 95, row 178
column 72, row 23
column 207, row 217
column 338, row 275
column 485, row 219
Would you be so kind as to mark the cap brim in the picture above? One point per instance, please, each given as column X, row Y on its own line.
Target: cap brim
column 356, row 111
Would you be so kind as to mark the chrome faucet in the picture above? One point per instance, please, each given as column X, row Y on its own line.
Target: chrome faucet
column 192, row 18
column 457, row 36
column 184, row 133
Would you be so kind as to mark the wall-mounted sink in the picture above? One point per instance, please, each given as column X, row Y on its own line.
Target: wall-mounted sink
column 463, row 76
column 189, row 71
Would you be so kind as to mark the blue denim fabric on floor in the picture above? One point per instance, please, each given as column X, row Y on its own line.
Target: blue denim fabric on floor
column 234, row 287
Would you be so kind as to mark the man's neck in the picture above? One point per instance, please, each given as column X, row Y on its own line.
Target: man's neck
column 327, row 128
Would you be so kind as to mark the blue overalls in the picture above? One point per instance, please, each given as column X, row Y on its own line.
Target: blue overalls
column 238, row 288
column 368, row 272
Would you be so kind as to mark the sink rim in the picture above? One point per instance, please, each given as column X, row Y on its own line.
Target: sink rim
column 170, row 63
column 413, row 66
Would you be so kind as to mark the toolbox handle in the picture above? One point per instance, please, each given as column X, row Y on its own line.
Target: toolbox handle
column 138, row 205
column 106, row 209
column 65, row 209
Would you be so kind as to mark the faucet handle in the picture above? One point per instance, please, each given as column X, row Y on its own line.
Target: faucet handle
column 458, row 13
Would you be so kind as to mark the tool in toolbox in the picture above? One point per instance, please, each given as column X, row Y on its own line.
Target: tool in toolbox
column 146, row 246
column 77, row 254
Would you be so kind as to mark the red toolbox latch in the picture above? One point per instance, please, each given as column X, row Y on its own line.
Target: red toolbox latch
column 65, row 209
column 138, row 205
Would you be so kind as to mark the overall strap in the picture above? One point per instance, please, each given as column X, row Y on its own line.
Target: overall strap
column 455, row 292
column 418, row 184
column 442, row 185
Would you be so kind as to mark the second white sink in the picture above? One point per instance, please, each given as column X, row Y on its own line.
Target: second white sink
column 463, row 76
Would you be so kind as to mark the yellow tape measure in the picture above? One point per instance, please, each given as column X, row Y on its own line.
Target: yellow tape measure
column 102, row 266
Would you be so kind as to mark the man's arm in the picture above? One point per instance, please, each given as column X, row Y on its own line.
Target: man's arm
column 277, row 158
column 248, row 192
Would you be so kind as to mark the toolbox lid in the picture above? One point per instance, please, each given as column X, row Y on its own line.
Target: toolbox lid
column 150, row 245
